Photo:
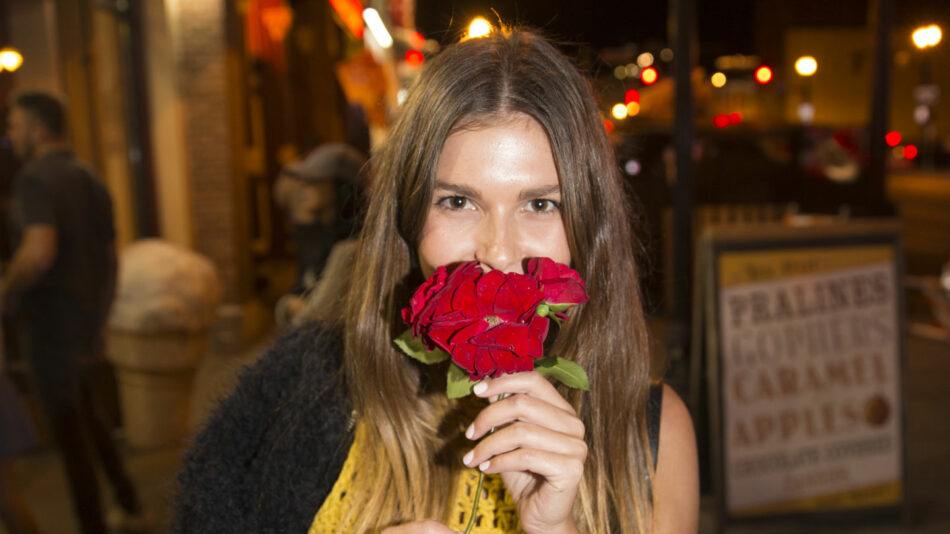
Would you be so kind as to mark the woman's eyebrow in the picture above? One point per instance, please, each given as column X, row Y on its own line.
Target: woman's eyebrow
column 539, row 192
column 462, row 190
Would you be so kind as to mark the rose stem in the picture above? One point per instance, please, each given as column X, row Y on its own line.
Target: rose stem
column 478, row 495
column 481, row 480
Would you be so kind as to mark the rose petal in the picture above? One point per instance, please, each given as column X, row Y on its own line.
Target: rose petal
column 564, row 271
column 441, row 332
column 542, row 268
column 516, row 337
column 484, row 364
column 467, row 331
column 464, row 356
column 487, row 289
column 539, row 327
column 563, row 291
column 524, row 364
column 516, row 299
column 465, row 298
column 505, row 361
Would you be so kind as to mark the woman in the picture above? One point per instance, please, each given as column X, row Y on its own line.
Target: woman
column 499, row 155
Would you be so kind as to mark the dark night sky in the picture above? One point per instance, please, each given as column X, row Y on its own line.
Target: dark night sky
column 726, row 25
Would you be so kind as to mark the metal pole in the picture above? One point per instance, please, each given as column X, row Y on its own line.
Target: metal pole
column 877, row 174
column 678, row 336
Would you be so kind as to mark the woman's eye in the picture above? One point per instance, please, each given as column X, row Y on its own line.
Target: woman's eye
column 453, row 202
column 543, row 205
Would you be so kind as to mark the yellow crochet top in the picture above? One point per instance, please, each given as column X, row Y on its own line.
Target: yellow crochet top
column 497, row 513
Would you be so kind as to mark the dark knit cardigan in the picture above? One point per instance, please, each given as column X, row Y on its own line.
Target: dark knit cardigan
column 272, row 451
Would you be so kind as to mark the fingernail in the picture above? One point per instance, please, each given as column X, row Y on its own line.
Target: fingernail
column 468, row 457
column 480, row 388
column 484, row 465
column 470, row 431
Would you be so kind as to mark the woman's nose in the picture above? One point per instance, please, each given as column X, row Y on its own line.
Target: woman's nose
column 497, row 245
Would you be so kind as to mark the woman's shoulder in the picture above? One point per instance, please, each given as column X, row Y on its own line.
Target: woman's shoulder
column 312, row 345
column 676, row 487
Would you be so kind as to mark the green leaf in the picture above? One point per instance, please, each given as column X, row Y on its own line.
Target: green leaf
column 459, row 384
column 565, row 371
column 414, row 348
column 543, row 310
column 560, row 307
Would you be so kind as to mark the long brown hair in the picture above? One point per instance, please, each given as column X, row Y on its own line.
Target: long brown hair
column 468, row 85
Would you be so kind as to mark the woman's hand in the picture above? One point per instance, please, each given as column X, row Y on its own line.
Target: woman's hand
column 538, row 446
column 420, row 527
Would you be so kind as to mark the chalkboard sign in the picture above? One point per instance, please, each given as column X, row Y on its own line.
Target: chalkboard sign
column 803, row 354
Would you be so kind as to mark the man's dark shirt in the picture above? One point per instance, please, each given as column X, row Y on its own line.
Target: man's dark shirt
column 57, row 190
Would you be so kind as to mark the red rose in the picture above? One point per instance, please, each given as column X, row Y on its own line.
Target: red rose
column 487, row 322
column 559, row 283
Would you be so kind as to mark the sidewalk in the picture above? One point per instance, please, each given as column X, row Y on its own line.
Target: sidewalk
column 927, row 367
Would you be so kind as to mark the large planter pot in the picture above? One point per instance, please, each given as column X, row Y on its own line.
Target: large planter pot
column 158, row 332
column 155, row 373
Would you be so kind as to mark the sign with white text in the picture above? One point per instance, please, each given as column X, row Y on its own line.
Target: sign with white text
column 805, row 332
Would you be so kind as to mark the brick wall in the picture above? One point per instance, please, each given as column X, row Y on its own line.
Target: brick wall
column 200, row 42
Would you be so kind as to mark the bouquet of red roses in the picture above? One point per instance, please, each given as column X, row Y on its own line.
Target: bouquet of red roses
column 490, row 323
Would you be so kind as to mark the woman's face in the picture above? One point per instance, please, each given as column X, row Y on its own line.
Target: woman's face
column 496, row 200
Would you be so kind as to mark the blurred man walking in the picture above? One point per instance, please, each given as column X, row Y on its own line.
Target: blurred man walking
column 59, row 286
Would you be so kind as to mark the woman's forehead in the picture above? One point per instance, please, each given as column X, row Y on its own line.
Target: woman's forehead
column 512, row 151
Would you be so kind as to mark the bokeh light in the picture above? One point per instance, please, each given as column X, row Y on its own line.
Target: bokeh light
column 10, row 59
column 718, row 80
column 649, row 76
column 806, row 65
column 927, row 36
column 644, row 60
column 892, row 138
column 619, row 111
column 479, row 27
column 414, row 58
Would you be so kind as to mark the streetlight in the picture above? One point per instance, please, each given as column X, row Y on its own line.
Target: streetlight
column 479, row 27
column 806, row 67
column 927, row 36
column 10, row 59
column 926, row 93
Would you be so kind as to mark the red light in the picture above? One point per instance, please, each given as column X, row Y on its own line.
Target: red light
column 414, row 58
column 416, row 40
column 721, row 121
column 763, row 75
column 735, row 118
column 632, row 95
column 649, row 75
column 910, row 152
column 892, row 138
column 608, row 125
